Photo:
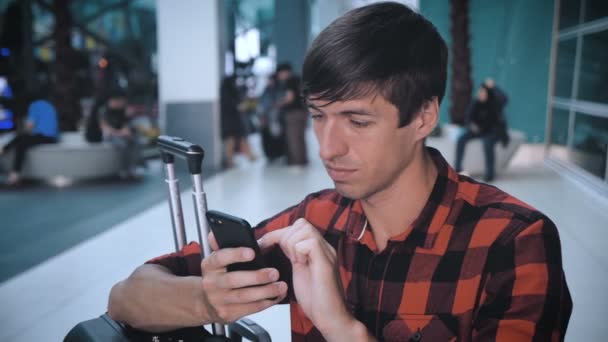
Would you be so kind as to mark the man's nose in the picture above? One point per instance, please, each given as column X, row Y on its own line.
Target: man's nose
column 331, row 141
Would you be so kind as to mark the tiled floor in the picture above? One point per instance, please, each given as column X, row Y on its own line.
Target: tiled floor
column 43, row 303
column 57, row 218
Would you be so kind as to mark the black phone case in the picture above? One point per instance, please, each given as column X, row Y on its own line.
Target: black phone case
column 231, row 232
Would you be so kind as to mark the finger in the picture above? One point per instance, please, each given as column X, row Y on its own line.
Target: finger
column 212, row 242
column 300, row 222
column 311, row 250
column 297, row 233
column 242, row 310
column 239, row 279
column 272, row 238
column 302, row 230
column 218, row 260
column 302, row 250
column 256, row 293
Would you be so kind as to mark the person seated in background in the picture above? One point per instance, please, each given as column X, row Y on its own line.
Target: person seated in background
column 484, row 120
column 402, row 248
column 116, row 129
column 41, row 127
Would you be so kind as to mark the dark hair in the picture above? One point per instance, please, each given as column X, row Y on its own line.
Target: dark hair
column 284, row 67
column 491, row 99
column 116, row 92
column 39, row 92
column 384, row 48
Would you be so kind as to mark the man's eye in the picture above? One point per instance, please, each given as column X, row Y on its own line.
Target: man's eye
column 358, row 123
column 315, row 116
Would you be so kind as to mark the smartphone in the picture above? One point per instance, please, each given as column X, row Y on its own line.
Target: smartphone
column 230, row 232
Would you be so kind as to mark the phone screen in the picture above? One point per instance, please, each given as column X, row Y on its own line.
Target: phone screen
column 231, row 232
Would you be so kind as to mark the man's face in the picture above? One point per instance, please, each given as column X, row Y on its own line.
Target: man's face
column 361, row 145
column 117, row 102
column 482, row 94
column 283, row 75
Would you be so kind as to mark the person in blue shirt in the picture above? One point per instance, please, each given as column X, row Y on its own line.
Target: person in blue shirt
column 41, row 128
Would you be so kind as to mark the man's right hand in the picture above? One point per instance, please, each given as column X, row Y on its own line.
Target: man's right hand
column 228, row 296
column 153, row 299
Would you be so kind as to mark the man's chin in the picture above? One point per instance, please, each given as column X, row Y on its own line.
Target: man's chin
column 347, row 191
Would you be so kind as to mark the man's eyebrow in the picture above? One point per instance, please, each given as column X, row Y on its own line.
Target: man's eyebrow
column 355, row 111
column 350, row 111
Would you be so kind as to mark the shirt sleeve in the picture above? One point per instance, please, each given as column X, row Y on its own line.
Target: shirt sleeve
column 525, row 297
column 186, row 262
column 471, row 114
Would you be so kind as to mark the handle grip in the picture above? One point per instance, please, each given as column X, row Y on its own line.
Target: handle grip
column 176, row 146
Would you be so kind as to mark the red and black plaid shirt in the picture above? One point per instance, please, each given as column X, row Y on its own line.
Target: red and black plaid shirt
column 476, row 265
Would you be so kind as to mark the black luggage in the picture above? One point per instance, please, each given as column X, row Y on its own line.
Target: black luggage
column 107, row 330
column 104, row 329
column 273, row 145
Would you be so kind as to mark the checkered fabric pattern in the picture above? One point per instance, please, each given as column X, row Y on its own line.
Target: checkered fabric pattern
column 476, row 265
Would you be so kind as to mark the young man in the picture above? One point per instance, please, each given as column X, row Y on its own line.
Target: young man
column 403, row 248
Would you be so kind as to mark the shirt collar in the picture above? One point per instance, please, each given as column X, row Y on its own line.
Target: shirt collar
column 424, row 230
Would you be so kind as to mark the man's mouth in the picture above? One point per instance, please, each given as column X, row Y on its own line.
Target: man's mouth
column 339, row 174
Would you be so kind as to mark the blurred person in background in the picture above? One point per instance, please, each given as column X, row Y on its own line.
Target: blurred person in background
column 294, row 115
column 271, row 128
column 485, row 120
column 41, row 127
column 116, row 129
column 233, row 122
column 92, row 126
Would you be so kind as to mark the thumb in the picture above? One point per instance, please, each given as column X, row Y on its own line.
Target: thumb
column 212, row 241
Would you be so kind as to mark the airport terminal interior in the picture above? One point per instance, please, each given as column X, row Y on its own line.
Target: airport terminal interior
column 86, row 210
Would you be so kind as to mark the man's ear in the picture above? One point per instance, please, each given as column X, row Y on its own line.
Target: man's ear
column 427, row 118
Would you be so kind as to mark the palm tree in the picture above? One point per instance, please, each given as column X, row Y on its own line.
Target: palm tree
column 65, row 85
column 461, row 84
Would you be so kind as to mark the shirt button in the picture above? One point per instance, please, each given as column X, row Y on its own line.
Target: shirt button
column 417, row 337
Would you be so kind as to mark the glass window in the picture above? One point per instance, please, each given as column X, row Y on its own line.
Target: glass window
column 559, row 126
column 564, row 76
column 569, row 13
column 84, row 9
column 595, row 9
column 559, row 134
column 111, row 26
column 593, row 79
column 43, row 23
column 590, row 143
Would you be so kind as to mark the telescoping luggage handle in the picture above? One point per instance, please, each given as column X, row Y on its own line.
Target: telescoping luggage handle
column 171, row 147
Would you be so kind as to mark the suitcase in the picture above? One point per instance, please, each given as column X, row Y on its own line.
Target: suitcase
column 272, row 145
column 105, row 329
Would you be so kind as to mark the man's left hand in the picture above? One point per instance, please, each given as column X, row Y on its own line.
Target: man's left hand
column 316, row 279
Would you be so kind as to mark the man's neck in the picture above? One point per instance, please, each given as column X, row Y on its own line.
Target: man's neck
column 391, row 211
